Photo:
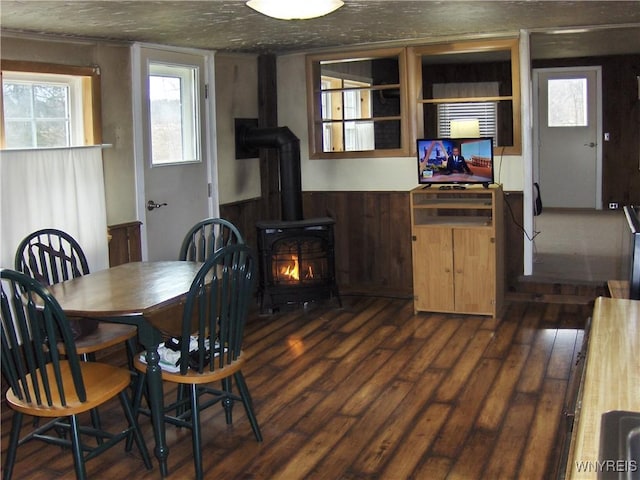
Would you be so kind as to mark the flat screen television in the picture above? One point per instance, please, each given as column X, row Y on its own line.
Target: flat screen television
column 631, row 251
column 458, row 161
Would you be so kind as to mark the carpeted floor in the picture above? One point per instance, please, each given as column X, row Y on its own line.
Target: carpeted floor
column 579, row 245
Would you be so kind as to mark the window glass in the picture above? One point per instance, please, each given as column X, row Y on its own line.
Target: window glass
column 472, row 119
column 46, row 105
column 567, row 104
column 356, row 104
column 37, row 112
column 173, row 114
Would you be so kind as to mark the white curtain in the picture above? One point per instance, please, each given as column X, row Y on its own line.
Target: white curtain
column 60, row 188
column 365, row 139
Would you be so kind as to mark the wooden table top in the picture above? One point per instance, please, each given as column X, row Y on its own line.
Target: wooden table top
column 137, row 288
column 611, row 379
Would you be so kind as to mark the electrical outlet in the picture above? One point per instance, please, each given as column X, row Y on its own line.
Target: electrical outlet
column 613, row 206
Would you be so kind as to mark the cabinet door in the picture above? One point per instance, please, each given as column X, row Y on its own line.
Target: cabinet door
column 433, row 269
column 475, row 270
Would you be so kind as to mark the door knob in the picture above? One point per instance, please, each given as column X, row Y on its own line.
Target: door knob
column 590, row 144
column 151, row 205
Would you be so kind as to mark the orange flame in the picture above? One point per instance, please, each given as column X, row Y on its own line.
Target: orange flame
column 292, row 271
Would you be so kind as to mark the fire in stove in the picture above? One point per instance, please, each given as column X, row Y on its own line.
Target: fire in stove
column 291, row 271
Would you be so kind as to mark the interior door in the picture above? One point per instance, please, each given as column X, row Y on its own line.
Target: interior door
column 175, row 155
column 568, row 130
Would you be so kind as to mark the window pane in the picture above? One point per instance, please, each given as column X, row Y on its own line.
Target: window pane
column 358, row 136
column 51, row 133
column 17, row 100
column 166, row 119
column 50, row 101
column 19, row 134
column 173, row 114
column 567, row 102
column 36, row 114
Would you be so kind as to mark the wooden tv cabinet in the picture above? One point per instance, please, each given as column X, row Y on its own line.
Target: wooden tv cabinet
column 458, row 249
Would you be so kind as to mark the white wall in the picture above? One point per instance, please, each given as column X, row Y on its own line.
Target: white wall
column 236, row 97
column 381, row 174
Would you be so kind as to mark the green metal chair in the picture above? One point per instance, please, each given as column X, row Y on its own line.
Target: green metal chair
column 208, row 236
column 46, row 384
column 210, row 346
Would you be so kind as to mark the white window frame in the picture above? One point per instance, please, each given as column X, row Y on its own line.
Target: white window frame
column 75, row 109
column 190, row 113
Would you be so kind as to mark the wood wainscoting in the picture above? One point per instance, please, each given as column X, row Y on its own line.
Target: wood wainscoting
column 124, row 243
column 373, row 236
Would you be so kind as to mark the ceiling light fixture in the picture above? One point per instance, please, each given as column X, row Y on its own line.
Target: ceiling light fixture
column 295, row 9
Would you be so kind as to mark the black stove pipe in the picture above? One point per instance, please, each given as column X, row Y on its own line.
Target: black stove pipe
column 290, row 176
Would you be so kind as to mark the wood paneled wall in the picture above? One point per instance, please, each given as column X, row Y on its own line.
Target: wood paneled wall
column 373, row 236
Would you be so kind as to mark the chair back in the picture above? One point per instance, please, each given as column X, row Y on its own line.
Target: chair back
column 216, row 310
column 50, row 256
column 207, row 236
column 32, row 321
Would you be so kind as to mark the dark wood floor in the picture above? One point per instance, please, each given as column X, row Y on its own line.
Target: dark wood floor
column 372, row 391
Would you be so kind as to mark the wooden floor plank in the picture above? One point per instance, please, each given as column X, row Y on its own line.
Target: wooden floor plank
column 459, row 424
column 312, row 451
column 372, row 391
column 340, row 458
column 408, row 454
column 562, row 354
column 533, row 375
column 469, row 465
column 542, row 432
column 497, row 401
column 511, row 438
column 462, row 370
column 381, row 447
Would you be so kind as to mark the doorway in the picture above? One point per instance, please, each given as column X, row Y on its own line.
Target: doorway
column 567, row 131
column 174, row 153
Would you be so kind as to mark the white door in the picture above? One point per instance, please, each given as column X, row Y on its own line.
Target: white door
column 568, row 132
column 174, row 156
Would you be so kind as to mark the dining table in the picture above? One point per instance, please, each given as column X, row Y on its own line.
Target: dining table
column 149, row 295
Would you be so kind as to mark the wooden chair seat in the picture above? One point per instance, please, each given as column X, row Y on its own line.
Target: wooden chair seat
column 101, row 381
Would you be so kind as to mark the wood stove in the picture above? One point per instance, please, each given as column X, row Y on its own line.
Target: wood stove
column 297, row 256
column 297, row 262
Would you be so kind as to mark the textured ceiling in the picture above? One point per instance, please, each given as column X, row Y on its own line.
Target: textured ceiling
column 232, row 26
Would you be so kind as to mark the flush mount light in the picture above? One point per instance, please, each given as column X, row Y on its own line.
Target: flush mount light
column 295, row 9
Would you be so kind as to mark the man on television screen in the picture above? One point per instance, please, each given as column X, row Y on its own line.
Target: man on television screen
column 456, row 163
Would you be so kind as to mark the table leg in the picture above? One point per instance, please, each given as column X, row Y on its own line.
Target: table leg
column 156, row 405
